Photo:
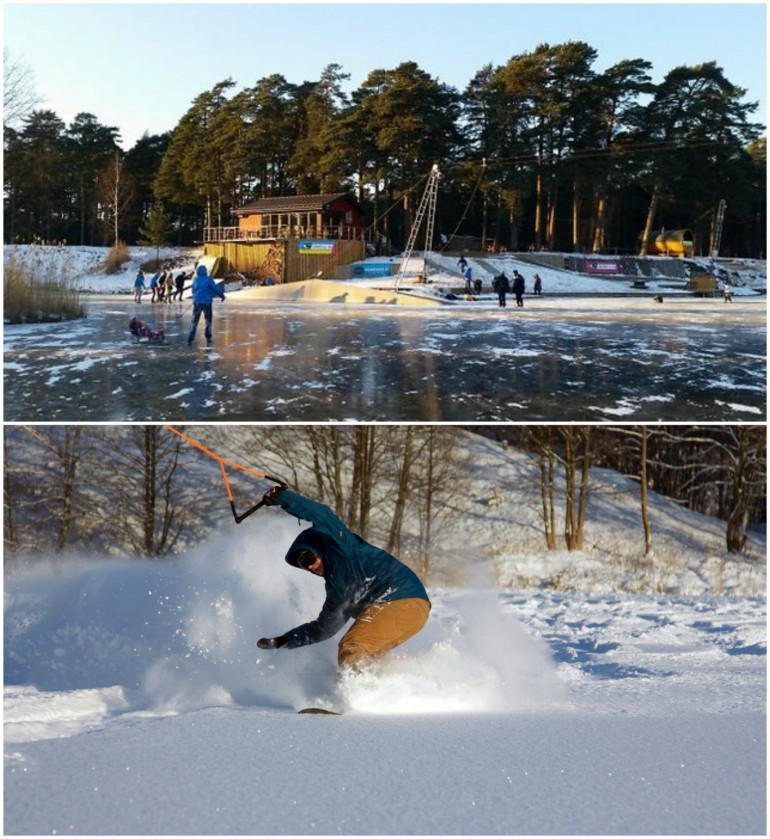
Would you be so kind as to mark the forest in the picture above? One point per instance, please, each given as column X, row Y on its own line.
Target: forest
column 143, row 491
column 544, row 151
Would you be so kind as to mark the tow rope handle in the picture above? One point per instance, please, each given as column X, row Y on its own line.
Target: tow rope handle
column 260, row 503
column 222, row 461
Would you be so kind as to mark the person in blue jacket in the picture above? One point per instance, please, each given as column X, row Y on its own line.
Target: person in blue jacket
column 385, row 599
column 154, row 287
column 138, row 287
column 203, row 290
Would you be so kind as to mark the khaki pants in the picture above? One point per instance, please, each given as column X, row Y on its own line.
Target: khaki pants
column 381, row 627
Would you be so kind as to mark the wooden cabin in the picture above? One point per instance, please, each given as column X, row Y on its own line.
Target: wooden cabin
column 291, row 237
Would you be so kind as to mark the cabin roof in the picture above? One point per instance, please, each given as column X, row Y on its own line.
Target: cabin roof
column 293, row 203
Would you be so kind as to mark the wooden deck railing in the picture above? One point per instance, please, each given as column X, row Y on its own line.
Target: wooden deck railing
column 232, row 234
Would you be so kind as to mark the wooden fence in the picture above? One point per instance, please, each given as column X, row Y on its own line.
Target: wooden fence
column 282, row 261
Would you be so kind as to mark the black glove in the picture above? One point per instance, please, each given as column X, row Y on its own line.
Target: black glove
column 272, row 496
column 272, row 643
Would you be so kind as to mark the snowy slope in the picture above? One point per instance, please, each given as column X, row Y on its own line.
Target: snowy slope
column 497, row 516
column 136, row 702
column 81, row 265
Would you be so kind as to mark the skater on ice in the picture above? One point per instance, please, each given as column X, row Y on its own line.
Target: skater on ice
column 385, row 599
column 502, row 286
column 203, row 290
column 518, row 288
column 467, row 275
column 138, row 287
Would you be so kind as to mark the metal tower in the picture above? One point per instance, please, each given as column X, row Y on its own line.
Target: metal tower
column 716, row 228
column 427, row 208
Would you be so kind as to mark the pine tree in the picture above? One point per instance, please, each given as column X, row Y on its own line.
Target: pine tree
column 157, row 230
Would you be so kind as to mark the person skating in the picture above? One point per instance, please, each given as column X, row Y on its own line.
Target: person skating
column 154, row 287
column 518, row 288
column 468, row 276
column 162, row 287
column 462, row 262
column 170, row 287
column 203, row 290
column 502, row 285
column 538, row 284
column 385, row 599
column 138, row 287
column 180, row 278
column 727, row 293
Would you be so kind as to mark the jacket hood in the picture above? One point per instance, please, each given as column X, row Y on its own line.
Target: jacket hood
column 309, row 540
column 201, row 271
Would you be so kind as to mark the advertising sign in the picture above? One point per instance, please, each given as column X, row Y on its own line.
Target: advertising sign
column 371, row 269
column 316, row 247
column 602, row 266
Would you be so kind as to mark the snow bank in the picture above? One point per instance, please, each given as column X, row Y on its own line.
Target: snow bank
column 82, row 265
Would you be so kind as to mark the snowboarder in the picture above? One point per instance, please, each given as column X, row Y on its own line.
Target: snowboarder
column 203, row 290
column 538, row 284
column 386, row 600
column 518, row 288
column 138, row 287
column 502, row 285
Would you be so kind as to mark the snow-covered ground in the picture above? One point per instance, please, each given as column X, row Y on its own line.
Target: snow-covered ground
column 444, row 273
column 137, row 702
column 82, row 266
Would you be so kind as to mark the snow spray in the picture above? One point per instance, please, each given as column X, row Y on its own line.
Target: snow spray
column 181, row 634
column 472, row 656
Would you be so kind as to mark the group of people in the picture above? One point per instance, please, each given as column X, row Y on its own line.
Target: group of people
column 164, row 286
column 501, row 284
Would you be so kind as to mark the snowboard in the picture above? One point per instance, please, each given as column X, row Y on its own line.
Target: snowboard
column 319, row 711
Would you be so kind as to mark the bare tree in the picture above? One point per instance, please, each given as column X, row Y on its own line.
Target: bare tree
column 438, row 479
column 19, row 97
column 64, row 444
column 366, row 463
column 147, row 499
column 726, row 463
column 115, row 192
column 406, row 459
column 636, row 440
column 541, row 437
column 568, row 447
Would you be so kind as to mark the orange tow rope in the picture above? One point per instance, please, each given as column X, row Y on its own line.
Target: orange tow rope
column 222, row 461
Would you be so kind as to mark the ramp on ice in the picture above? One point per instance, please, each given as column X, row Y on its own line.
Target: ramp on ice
column 328, row 291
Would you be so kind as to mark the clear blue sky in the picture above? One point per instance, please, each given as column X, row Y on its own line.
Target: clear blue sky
column 138, row 66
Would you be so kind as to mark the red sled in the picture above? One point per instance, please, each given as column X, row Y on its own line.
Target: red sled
column 140, row 330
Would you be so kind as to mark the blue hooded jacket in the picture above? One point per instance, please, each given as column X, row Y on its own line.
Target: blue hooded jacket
column 356, row 573
column 204, row 288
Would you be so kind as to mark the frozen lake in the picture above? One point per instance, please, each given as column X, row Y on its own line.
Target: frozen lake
column 579, row 359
